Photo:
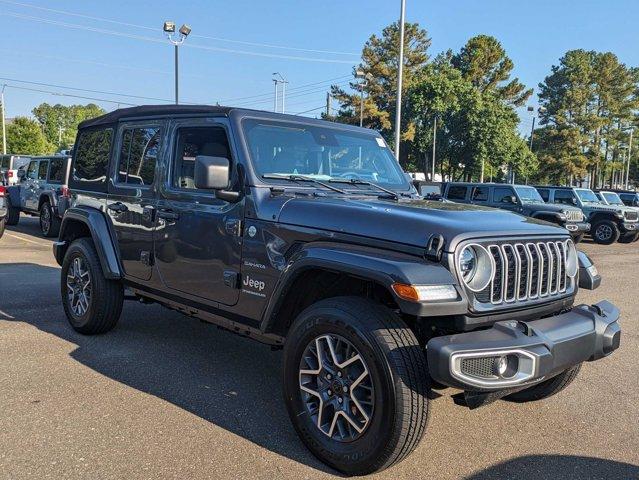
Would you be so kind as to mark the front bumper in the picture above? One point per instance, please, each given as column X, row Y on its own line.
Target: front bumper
column 543, row 348
column 577, row 228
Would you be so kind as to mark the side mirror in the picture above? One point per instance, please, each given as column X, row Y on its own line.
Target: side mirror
column 510, row 199
column 573, row 200
column 635, row 203
column 589, row 278
column 21, row 173
column 214, row 173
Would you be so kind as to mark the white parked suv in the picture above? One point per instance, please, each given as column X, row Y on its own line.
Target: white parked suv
column 9, row 166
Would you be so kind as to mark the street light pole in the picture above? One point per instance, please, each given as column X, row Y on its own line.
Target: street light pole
column 400, row 72
column 169, row 30
column 275, row 97
column 4, row 122
column 283, row 81
column 629, row 157
column 432, row 166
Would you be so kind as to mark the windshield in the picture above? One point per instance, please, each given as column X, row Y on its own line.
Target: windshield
column 321, row 153
column 587, row 196
column 612, row 198
column 529, row 195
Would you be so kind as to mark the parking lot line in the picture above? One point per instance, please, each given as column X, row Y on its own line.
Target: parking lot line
column 19, row 237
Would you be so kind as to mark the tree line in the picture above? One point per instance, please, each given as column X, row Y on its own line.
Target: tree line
column 52, row 128
column 464, row 104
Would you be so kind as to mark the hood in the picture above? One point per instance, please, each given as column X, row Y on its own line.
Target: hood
column 549, row 207
column 409, row 222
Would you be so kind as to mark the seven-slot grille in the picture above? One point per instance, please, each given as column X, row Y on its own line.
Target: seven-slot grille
column 574, row 216
column 632, row 216
column 526, row 271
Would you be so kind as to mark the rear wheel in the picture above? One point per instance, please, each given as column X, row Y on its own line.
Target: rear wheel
column 91, row 302
column 13, row 216
column 49, row 221
column 605, row 232
column 355, row 384
column 547, row 388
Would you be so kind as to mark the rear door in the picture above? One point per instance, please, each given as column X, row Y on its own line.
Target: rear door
column 131, row 195
column 29, row 186
column 198, row 236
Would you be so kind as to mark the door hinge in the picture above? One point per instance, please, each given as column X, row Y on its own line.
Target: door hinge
column 232, row 279
column 233, row 227
column 146, row 258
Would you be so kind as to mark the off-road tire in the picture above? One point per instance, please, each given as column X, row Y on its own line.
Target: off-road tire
column 578, row 238
column 53, row 228
column 398, row 371
column 13, row 215
column 107, row 296
column 3, row 222
column 629, row 237
column 547, row 388
column 599, row 227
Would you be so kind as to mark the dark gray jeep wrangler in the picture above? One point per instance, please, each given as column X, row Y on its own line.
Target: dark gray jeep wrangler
column 306, row 234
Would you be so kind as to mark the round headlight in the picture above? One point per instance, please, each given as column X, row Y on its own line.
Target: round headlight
column 476, row 267
column 572, row 261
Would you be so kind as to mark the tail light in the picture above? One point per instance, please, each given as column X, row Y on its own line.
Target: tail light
column 3, row 191
column 65, row 192
column 10, row 174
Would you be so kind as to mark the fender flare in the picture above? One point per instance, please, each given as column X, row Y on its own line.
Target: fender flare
column 94, row 220
column 49, row 196
column 14, row 196
column 552, row 217
column 599, row 216
column 373, row 264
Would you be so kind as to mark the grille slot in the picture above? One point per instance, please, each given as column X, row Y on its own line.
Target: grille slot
column 574, row 215
column 525, row 272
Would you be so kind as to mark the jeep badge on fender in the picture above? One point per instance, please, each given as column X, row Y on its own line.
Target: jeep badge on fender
column 374, row 293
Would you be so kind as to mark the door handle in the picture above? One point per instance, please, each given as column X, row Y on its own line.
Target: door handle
column 118, row 207
column 167, row 214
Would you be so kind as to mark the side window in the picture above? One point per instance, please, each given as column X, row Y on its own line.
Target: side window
column 480, row 194
column 32, row 171
column 138, row 155
column 92, row 158
column 544, row 193
column 191, row 142
column 564, row 196
column 456, row 192
column 503, row 194
column 42, row 169
column 56, row 170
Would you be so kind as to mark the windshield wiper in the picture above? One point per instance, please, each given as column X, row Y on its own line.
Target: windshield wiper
column 356, row 181
column 302, row 178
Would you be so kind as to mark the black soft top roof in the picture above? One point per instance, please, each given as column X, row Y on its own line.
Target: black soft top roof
column 153, row 110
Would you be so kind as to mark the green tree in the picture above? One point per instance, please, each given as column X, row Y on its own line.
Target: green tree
column 24, row 136
column 590, row 100
column 483, row 62
column 60, row 122
column 380, row 60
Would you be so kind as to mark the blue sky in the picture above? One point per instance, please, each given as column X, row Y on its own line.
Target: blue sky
column 41, row 45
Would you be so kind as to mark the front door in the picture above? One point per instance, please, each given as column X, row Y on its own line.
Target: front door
column 132, row 195
column 197, row 238
column 504, row 197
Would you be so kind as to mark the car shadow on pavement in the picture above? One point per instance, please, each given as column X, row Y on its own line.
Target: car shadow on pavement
column 564, row 467
column 227, row 380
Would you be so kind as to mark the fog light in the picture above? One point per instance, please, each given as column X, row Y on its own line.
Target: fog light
column 506, row 366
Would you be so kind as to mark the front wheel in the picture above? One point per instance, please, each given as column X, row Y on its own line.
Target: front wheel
column 605, row 232
column 629, row 237
column 91, row 302
column 578, row 238
column 355, row 384
column 547, row 388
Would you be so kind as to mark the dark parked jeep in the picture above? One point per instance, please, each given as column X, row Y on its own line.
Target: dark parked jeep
column 41, row 190
column 521, row 199
column 610, row 223
column 306, row 235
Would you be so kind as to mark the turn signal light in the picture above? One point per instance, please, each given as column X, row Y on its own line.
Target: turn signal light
column 424, row 293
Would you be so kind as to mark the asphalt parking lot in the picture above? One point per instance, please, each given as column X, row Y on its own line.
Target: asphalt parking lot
column 165, row 396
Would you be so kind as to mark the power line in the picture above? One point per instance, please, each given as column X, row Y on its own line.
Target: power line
column 295, row 95
column 117, row 94
column 145, row 27
column 62, row 94
column 157, row 40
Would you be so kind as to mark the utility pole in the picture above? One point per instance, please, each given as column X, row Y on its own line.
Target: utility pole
column 629, row 159
column 532, row 133
column 432, row 163
column 283, row 81
column 400, row 72
column 4, row 122
column 275, row 97
column 328, row 104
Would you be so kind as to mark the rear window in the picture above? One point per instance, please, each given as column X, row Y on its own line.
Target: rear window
column 544, row 193
column 4, row 162
column 42, row 169
column 92, row 159
column 456, row 193
column 480, row 194
column 56, row 170
column 138, row 155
